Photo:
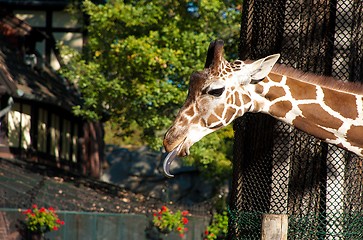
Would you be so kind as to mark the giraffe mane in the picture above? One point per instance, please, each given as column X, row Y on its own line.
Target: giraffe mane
column 326, row 81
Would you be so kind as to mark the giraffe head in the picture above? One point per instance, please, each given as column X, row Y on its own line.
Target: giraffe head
column 217, row 95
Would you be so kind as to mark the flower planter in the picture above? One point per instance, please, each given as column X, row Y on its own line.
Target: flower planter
column 154, row 233
column 39, row 221
column 35, row 236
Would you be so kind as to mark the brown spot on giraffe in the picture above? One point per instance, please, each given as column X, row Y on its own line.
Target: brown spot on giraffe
column 237, row 100
column 245, row 99
column 219, row 110
column 307, row 126
column 194, row 120
column 316, row 114
column 202, row 122
column 230, row 99
column 216, row 115
column 280, row 109
column 301, row 90
column 258, row 89
column 274, row 77
column 275, row 92
column 338, row 101
column 230, row 113
column 355, row 135
column 189, row 111
column 212, row 119
column 183, row 120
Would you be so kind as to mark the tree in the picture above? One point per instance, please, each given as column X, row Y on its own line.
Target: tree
column 138, row 60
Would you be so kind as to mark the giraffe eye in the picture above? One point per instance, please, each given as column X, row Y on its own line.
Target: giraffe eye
column 216, row 92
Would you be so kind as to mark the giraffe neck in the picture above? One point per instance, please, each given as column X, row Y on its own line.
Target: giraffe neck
column 330, row 114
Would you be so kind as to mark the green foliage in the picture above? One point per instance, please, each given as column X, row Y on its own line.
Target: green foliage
column 218, row 229
column 137, row 62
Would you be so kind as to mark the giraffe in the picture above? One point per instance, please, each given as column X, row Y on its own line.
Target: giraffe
column 328, row 109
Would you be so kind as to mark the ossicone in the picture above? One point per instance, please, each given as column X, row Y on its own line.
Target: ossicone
column 214, row 54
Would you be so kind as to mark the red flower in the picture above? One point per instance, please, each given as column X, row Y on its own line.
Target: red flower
column 179, row 229
column 27, row 211
column 164, row 209
column 42, row 209
column 60, row 221
column 154, row 214
column 206, row 232
column 55, row 228
column 181, row 235
column 51, row 209
column 185, row 220
column 185, row 229
column 35, row 206
column 185, row 213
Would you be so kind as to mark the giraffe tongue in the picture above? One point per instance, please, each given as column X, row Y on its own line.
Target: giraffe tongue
column 169, row 159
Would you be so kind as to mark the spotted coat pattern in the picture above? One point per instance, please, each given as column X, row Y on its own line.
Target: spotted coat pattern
column 333, row 115
column 323, row 107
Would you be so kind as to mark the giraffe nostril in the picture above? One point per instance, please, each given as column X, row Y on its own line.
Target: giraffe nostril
column 184, row 151
column 182, row 154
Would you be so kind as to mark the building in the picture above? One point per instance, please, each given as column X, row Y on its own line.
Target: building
column 37, row 122
column 51, row 18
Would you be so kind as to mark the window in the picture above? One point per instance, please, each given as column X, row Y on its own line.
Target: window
column 55, row 136
column 19, row 124
column 42, row 130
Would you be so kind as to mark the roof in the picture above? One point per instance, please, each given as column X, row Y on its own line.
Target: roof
column 23, row 184
column 41, row 84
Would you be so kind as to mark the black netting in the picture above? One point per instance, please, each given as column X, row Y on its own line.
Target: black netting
column 277, row 168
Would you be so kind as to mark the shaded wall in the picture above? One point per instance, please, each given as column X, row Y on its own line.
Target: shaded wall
column 107, row 226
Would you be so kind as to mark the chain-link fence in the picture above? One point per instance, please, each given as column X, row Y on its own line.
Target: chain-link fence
column 279, row 169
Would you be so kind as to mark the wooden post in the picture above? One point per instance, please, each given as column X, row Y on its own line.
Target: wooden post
column 274, row 227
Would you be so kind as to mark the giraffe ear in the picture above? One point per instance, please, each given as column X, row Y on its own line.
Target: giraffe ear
column 215, row 54
column 262, row 67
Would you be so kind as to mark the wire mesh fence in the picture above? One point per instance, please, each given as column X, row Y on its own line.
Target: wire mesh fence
column 277, row 168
